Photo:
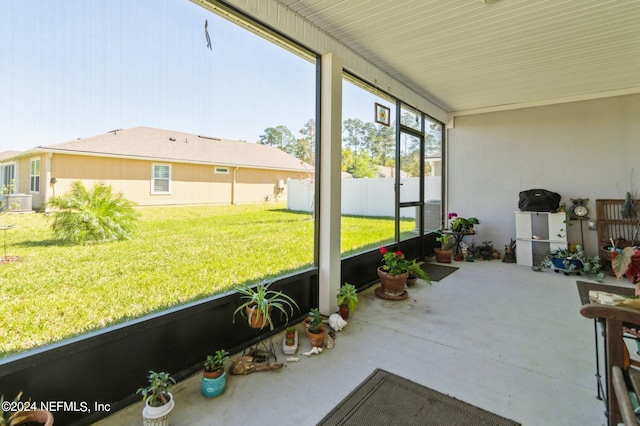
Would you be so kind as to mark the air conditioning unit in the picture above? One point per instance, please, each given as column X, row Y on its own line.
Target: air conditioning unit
column 18, row 203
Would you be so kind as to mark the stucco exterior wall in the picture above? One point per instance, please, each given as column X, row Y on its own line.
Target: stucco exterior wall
column 23, row 175
column 190, row 183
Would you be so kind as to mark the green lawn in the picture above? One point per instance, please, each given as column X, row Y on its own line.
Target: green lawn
column 177, row 254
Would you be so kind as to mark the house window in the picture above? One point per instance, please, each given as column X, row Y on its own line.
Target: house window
column 222, row 170
column 35, row 176
column 161, row 182
column 7, row 178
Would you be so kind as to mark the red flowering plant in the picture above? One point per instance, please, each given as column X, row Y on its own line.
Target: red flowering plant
column 395, row 264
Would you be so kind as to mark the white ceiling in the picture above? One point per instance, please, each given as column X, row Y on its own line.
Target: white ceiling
column 469, row 56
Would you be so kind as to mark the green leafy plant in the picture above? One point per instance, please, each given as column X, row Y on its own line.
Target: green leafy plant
column 4, row 201
column 315, row 321
column 573, row 261
column 460, row 224
column 347, row 295
column 443, row 239
column 414, row 269
column 485, row 251
column 216, row 361
column 8, row 417
column 96, row 215
column 157, row 393
column 260, row 300
column 290, row 335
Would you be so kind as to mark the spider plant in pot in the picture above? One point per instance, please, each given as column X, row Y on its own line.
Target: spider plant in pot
column 316, row 330
column 158, row 400
column 22, row 413
column 259, row 302
column 347, row 299
column 214, row 378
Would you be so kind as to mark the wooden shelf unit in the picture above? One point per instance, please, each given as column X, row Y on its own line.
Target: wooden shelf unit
column 611, row 225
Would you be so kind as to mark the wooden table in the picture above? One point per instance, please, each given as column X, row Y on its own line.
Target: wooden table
column 612, row 320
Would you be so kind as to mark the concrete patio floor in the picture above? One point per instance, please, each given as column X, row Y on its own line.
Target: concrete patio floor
column 495, row 335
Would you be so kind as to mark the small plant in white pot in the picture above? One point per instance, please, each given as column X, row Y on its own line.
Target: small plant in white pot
column 214, row 377
column 290, row 341
column 158, row 400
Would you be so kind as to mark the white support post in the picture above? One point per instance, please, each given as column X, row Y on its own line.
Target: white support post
column 330, row 184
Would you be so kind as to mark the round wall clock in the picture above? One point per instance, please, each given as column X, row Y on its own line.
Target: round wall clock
column 579, row 209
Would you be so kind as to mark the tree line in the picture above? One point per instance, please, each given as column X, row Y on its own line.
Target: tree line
column 365, row 145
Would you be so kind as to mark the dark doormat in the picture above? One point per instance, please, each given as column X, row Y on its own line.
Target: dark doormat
column 437, row 272
column 386, row 399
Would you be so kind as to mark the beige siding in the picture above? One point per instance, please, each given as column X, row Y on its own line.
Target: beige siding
column 190, row 183
column 23, row 178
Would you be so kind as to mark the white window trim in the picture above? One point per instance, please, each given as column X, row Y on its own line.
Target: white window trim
column 15, row 174
column 31, row 190
column 153, row 168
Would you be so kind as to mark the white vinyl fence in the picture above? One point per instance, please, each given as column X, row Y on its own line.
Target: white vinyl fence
column 372, row 197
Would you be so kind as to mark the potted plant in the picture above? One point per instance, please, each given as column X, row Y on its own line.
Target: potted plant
column 290, row 341
column 347, row 299
column 214, row 377
column 393, row 275
column 627, row 262
column 461, row 224
column 316, row 331
column 415, row 272
column 158, row 400
column 486, row 251
column 260, row 300
column 443, row 253
column 16, row 412
column 567, row 262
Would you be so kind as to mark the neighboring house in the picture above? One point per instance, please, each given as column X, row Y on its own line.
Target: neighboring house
column 155, row 167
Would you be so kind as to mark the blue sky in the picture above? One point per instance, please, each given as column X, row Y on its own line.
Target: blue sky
column 77, row 68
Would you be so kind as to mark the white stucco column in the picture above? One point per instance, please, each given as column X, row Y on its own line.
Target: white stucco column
column 330, row 185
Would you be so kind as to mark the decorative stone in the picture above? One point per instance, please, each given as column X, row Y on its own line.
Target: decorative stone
column 336, row 322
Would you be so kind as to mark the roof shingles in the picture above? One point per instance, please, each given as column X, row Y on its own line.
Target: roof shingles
column 170, row 145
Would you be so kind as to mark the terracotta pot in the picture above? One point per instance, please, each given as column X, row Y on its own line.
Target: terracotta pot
column 392, row 285
column 411, row 279
column 290, row 337
column 344, row 311
column 290, row 346
column 255, row 320
column 317, row 339
column 213, row 374
column 41, row 417
column 458, row 257
column 443, row 255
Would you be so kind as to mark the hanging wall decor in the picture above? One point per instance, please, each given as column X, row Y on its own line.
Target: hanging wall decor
column 383, row 115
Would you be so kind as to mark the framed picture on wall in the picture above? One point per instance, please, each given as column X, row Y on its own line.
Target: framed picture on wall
column 383, row 115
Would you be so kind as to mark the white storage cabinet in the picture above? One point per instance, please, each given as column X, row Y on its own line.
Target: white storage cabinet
column 550, row 228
